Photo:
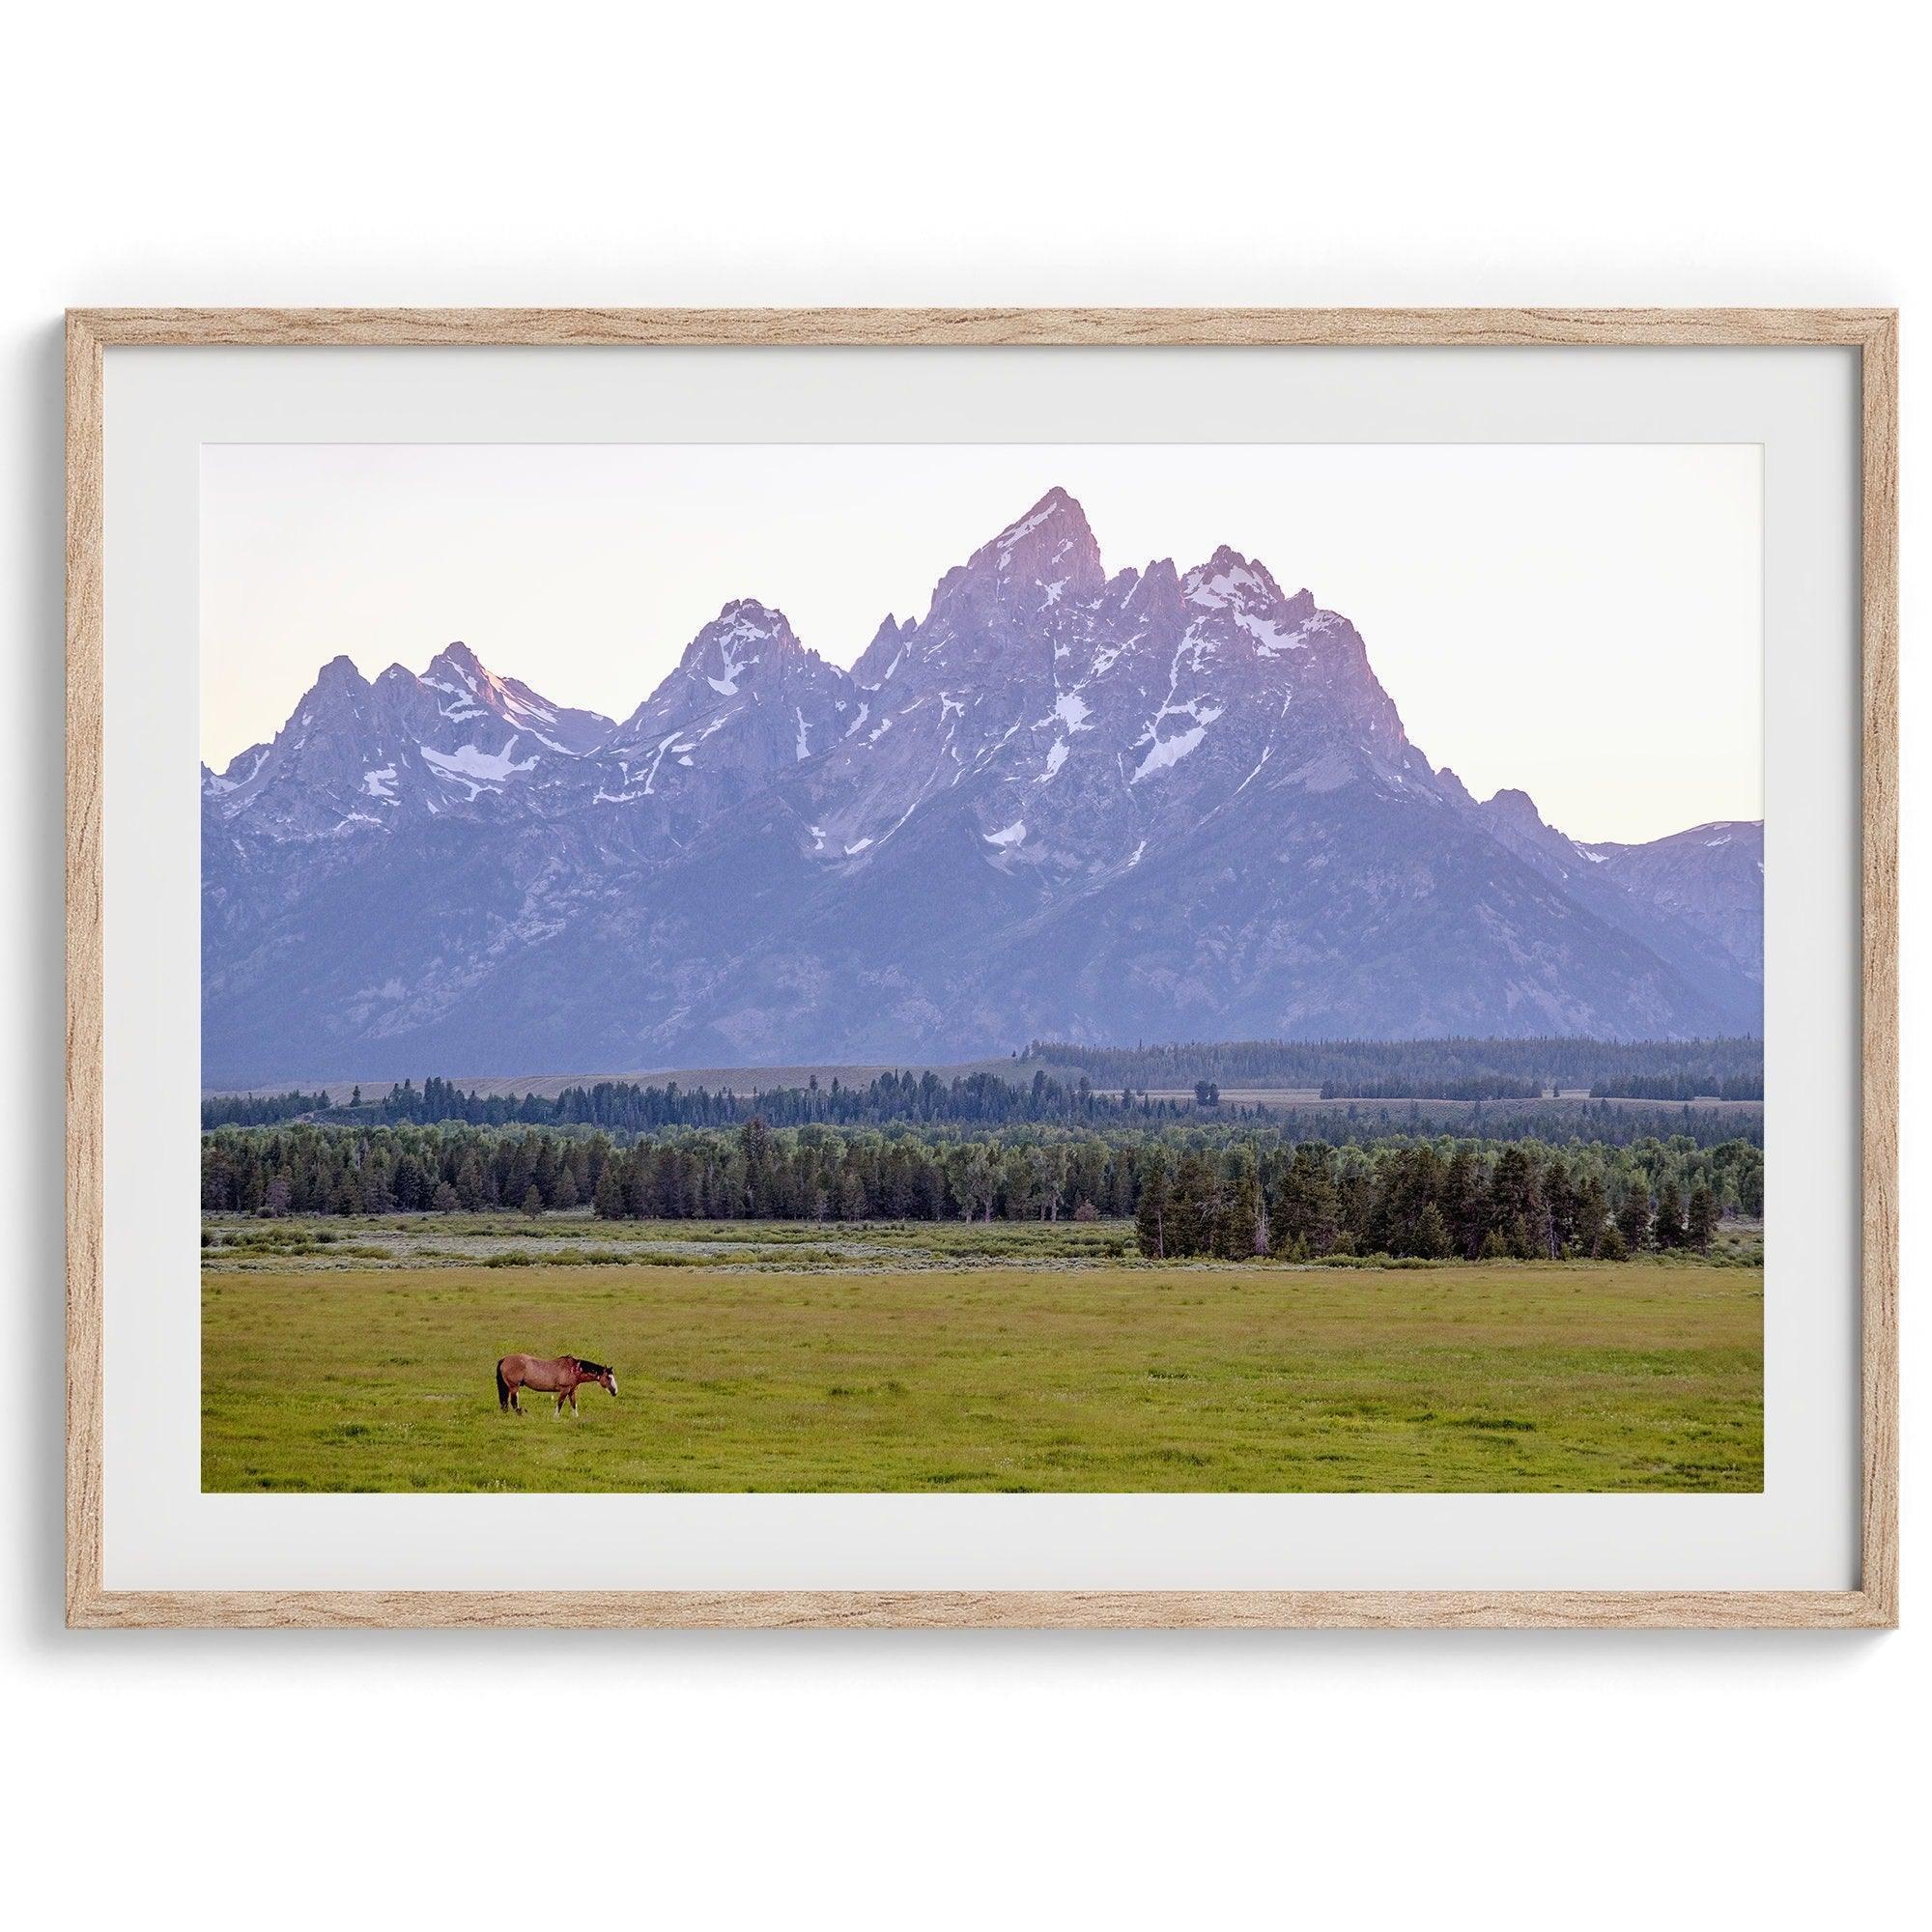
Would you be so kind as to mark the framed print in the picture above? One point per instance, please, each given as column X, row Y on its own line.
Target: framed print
column 844, row 967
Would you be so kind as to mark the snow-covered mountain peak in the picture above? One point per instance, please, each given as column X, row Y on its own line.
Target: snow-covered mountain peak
column 457, row 658
column 1056, row 508
column 742, row 634
column 1229, row 577
column 1047, row 555
column 746, row 701
column 1058, row 804
column 465, row 688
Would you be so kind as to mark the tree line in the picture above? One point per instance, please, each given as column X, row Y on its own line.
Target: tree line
column 1367, row 1067
column 1682, row 1087
column 982, row 1101
column 1615, row 1125
column 258, row 1110
column 627, row 1107
column 1191, row 1190
column 1431, row 1201
column 1434, row 1087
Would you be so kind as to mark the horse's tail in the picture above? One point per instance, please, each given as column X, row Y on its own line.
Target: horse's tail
column 502, row 1388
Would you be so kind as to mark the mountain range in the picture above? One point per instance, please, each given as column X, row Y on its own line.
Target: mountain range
column 1153, row 805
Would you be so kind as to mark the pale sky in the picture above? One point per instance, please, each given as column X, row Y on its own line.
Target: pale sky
column 1583, row 622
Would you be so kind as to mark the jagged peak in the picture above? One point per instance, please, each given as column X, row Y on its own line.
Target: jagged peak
column 743, row 621
column 1229, row 577
column 882, row 656
column 339, row 674
column 463, row 687
column 456, row 659
column 890, row 632
column 1056, row 503
column 1054, row 534
column 748, row 649
column 755, row 614
column 1515, row 807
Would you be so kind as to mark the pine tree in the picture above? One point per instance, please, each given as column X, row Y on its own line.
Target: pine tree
column 1150, row 1215
column 1191, row 1209
column 1703, row 1218
column 608, row 1203
column 1670, row 1230
column 1590, row 1210
column 1305, row 1204
column 1633, row 1213
column 1464, row 1202
column 1515, row 1201
column 1239, row 1227
column 1432, row 1234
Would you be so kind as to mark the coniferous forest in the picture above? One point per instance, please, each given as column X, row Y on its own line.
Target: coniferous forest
column 1678, row 1069
column 1432, row 1149
column 1503, row 1090
column 1233, row 1191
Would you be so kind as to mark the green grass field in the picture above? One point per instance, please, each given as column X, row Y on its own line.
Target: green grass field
column 895, row 1359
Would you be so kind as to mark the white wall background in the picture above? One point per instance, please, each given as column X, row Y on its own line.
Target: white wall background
column 1215, row 153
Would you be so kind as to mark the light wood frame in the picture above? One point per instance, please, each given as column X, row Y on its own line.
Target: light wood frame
column 1872, row 332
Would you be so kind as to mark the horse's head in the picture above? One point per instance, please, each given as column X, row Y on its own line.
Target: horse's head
column 597, row 1373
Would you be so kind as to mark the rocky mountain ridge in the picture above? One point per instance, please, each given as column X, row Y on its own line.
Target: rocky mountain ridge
column 1160, row 803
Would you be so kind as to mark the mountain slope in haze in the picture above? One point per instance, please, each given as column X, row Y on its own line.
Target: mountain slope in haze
column 1711, row 878
column 1161, row 804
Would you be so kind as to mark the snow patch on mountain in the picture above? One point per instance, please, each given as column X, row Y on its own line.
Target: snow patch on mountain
column 785, row 868
column 1168, row 752
column 1216, row 592
column 1026, row 526
column 1072, row 710
column 471, row 765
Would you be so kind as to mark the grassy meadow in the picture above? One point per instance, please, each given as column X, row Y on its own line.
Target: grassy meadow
column 948, row 1357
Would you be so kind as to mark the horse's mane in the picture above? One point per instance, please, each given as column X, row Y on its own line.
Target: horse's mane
column 592, row 1368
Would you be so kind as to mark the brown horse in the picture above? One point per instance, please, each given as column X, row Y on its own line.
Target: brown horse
column 560, row 1375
